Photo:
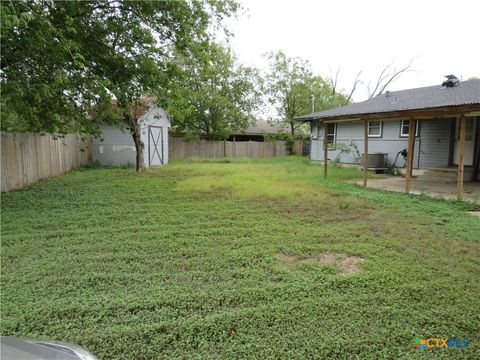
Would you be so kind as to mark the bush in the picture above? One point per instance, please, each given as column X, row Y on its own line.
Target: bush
column 284, row 136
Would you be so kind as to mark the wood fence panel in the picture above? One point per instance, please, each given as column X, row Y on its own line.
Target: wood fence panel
column 178, row 148
column 27, row 158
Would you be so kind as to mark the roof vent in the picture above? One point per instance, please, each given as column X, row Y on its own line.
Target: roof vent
column 387, row 94
column 451, row 81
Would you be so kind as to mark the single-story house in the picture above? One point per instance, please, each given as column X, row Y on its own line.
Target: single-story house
column 117, row 146
column 258, row 131
column 438, row 126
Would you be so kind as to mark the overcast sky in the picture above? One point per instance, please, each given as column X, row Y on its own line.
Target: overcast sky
column 442, row 37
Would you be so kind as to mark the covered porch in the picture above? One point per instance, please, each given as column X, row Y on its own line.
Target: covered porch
column 440, row 127
column 457, row 181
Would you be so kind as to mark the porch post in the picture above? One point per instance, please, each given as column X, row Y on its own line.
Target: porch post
column 325, row 149
column 410, row 148
column 365, row 152
column 461, row 151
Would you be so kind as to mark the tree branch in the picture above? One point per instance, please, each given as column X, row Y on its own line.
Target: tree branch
column 354, row 87
column 333, row 81
column 386, row 78
column 395, row 75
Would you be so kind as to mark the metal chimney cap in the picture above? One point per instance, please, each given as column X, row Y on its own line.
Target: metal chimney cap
column 451, row 81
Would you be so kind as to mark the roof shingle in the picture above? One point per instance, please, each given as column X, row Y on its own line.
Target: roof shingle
column 465, row 93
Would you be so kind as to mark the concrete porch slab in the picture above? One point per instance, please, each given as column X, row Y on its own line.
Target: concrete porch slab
column 431, row 188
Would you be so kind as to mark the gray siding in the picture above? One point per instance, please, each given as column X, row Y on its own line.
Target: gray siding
column 435, row 145
column 478, row 142
column 117, row 147
column 350, row 133
column 432, row 147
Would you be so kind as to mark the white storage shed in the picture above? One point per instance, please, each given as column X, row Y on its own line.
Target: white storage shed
column 118, row 148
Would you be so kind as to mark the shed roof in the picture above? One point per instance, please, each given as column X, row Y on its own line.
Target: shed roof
column 431, row 97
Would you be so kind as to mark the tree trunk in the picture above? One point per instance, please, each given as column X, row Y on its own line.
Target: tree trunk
column 134, row 127
column 139, row 146
column 292, row 129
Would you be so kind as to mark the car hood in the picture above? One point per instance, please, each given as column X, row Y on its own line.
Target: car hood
column 14, row 348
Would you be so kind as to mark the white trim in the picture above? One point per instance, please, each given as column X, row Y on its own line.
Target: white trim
column 380, row 128
column 402, row 135
column 334, row 133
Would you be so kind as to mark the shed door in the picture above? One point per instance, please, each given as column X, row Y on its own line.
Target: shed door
column 469, row 141
column 155, row 145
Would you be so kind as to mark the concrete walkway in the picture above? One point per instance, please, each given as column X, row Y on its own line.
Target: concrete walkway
column 431, row 188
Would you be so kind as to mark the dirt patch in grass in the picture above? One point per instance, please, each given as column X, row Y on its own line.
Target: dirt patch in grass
column 290, row 261
column 347, row 264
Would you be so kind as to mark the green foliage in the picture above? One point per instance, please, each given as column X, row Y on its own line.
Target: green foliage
column 62, row 59
column 346, row 149
column 342, row 149
column 357, row 155
column 211, row 94
column 290, row 84
column 59, row 58
column 39, row 63
column 289, row 145
column 282, row 136
column 278, row 136
column 182, row 262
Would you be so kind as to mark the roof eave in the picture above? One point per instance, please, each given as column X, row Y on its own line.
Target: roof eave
column 400, row 114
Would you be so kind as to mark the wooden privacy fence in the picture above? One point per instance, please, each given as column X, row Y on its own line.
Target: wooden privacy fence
column 27, row 158
column 178, row 148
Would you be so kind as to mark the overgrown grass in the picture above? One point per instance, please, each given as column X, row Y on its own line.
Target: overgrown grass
column 183, row 262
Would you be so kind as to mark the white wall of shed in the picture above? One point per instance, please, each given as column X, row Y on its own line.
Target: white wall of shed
column 118, row 148
column 155, row 116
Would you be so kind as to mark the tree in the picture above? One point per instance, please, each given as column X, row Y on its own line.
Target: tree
column 61, row 58
column 334, row 81
column 40, row 64
column 211, row 94
column 386, row 77
column 291, row 86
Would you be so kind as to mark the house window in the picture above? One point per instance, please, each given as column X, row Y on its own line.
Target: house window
column 404, row 128
column 374, row 129
column 331, row 133
column 317, row 132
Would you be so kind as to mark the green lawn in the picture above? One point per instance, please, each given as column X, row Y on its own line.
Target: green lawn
column 226, row 260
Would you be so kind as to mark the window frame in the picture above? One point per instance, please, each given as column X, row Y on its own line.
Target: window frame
column 417, row 129
column 319, row 130
column 314, row 130
column 380, row 128
column 333, row 142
